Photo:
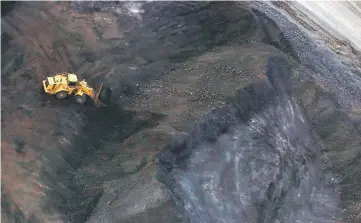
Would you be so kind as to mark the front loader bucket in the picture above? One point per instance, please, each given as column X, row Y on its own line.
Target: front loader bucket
column 102, row 95
column 97, row 101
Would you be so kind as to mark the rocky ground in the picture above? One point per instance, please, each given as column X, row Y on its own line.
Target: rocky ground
column 169, row 64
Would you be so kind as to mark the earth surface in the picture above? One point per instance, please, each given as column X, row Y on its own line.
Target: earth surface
column 220, row 112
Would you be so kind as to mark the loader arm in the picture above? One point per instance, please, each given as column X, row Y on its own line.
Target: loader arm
column 87, row 90
column 93, row 94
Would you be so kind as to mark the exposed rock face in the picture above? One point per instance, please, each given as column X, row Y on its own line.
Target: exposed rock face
column 254, row 160
column 169, row 64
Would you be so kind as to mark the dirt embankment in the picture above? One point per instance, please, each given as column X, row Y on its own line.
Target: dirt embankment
column 168, row 64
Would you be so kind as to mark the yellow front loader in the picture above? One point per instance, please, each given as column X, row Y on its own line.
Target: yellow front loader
column 64, row 84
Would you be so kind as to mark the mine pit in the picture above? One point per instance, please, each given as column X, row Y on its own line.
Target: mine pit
column 215, row 116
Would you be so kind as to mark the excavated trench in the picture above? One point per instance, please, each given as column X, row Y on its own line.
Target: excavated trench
column 209, row 98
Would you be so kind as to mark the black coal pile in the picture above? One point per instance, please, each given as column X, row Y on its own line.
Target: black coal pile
column 254, row 160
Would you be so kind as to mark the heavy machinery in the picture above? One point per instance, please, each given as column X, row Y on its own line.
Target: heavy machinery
column 64, row 84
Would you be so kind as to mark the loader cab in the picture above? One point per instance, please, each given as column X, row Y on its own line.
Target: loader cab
column 46, row 83
column 72, row 80
column 49, row 83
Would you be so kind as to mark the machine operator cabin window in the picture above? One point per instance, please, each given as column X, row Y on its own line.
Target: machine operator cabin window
column 72, row 80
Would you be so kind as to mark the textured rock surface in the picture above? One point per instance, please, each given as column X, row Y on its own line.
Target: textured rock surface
column 254, row 160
